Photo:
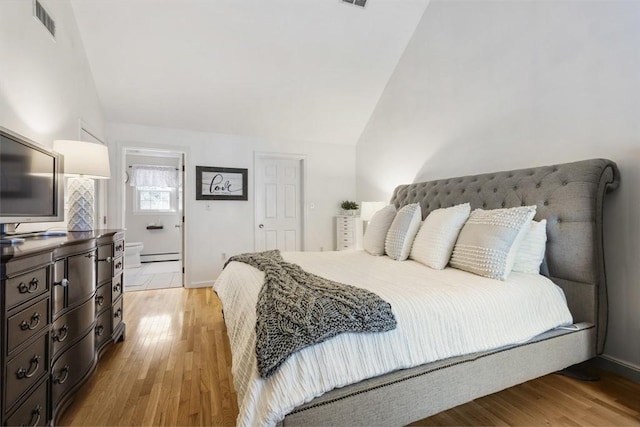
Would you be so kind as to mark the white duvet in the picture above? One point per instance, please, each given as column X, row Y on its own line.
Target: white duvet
column 440, row 314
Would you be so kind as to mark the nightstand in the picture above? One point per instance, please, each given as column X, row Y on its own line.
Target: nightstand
column 348, row 233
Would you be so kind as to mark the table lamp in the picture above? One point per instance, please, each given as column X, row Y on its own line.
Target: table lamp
column 367, row 209
column 83, row 162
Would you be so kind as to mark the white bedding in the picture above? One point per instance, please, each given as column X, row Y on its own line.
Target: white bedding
column 440, row 314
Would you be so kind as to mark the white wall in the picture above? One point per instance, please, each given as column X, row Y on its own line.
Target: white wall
column 229, row 226
column 495, row 85
column 46, row 87
column 45, row 84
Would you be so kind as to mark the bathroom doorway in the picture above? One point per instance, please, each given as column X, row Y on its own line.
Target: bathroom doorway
column 153, row 219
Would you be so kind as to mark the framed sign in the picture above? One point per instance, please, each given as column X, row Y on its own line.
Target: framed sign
column 213, row 183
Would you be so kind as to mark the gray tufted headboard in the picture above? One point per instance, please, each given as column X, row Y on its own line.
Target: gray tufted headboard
column 570, row 196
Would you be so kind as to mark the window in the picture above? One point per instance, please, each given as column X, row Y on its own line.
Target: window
column 155, row 199
column 154, row 189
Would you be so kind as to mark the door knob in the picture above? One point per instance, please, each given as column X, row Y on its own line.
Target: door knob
column 261, row 226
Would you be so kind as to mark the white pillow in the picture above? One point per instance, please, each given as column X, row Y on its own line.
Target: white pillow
column 531, row 251
column 488, row 242
column 377, row 228
column 438, row 234
column 403, row 229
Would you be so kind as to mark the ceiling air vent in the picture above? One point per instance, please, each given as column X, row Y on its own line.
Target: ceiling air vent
column 43, row 16
column 360, row 3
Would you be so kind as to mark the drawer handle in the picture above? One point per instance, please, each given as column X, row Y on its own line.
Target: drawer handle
column 63, row 377
column 100, row 299
column 99, row 330
column 116, row 287
column 91, row 255
column 34, row 414
column 119, row 265
column 64, row 283
column 119, row 248
column 118, row 313
column 31, row 325
column 31, row 288
column 33, row 368
column 64, row 331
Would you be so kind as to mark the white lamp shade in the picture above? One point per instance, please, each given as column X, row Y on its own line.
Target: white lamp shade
column 367, row 209
column 84, row 158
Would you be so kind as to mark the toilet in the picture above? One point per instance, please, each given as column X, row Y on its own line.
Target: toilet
column 132, row 254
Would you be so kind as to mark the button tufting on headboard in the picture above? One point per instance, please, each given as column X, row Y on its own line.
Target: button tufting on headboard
column 570, row 196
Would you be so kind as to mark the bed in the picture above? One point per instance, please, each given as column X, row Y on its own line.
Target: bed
column 569, row 196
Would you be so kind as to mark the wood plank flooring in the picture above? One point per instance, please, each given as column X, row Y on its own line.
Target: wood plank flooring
column 174, row 368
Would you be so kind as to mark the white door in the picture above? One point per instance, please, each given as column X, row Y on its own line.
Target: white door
column 278, row 200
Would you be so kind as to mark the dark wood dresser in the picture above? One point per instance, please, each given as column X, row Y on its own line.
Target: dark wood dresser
column 61, row 300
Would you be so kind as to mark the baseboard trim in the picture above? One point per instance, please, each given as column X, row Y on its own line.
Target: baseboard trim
column 204, row 284
column 617, row 366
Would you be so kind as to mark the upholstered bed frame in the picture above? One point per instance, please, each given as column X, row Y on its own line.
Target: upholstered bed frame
column 570, row 196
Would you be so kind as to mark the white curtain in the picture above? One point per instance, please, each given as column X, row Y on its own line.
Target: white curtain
column 154, row 176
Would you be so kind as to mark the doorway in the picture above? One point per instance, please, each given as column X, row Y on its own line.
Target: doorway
column 153, row 219
column 279, row 202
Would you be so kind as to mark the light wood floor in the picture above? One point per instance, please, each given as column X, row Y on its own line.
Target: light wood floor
column 174, row 369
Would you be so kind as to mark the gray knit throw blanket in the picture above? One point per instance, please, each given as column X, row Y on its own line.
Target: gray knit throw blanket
column 297, row 309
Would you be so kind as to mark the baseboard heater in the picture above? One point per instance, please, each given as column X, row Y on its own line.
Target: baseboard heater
column 168, row 256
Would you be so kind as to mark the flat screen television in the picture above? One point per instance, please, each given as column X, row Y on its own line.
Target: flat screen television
column 31, row 181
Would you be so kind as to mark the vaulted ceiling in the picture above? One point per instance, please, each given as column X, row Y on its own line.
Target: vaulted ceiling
column 280, row 69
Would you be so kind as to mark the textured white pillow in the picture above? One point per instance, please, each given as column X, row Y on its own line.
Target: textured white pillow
column 376, row 231
column 438, row 234
column 403, row 229
column 531, row 251
column 488, row 242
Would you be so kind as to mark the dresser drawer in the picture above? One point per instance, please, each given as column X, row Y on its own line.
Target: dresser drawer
column 116, row 287
column 345, row 218
column 118, row 248
column 103, row 328
column 72, row 325
column 71, row 366
column 346, row 234
column 25, row 369
column 27, row 323
column 34, row 410
column 117, row 313
column 118, row 265
column 348, row 240
column 347, row 224
column 26, row 286
column 103, row 297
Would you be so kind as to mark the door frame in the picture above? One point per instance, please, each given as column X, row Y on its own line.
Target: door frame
column 122, row 196
column 86, row 133
column 302, row 159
